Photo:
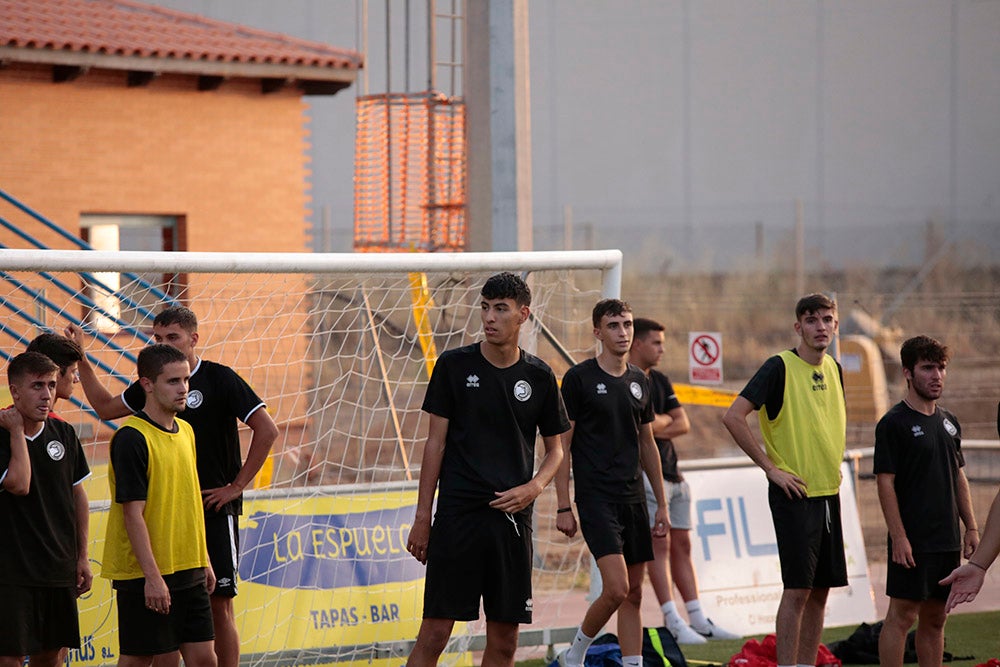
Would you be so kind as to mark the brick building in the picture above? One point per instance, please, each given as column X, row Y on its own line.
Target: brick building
column 134, row 127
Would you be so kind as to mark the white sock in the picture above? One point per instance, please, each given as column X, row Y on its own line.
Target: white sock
column 631, row 661
column 578, row 649
column 695, row 615
column 670, row 613
column 806, row 665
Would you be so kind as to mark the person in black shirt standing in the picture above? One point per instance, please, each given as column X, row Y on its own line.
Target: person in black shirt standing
column 486, row 401
column 44, row 520
column 609, row 441
column 923, row 491
column 217, row 400
column 671, row 555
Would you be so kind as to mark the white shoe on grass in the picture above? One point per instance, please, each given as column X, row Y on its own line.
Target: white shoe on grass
column 684, row 634
column 712, row 631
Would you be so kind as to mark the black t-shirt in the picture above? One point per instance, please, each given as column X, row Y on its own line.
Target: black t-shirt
column 493, row 415
column 767, row 386
column 38, row 531
column 607, row 412
column 663, row 399
column 217, row 398
column 925, row 454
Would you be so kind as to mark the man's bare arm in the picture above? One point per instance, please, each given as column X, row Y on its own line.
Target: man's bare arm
column 104, row 403
column 264, row 433
column 902, row 553
column 156, row 592
column 519, row 497
column 735, row 421
column 673, row 424
column 430, row 472
column 18, row 478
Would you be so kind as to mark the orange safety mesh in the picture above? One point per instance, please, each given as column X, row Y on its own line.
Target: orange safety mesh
column 409, row 173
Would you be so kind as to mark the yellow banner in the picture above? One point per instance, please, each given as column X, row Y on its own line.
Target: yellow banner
column 320, row 577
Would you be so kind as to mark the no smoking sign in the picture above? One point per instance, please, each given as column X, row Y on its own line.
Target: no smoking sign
column 705, row 357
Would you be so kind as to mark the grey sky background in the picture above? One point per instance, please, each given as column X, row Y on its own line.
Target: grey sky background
column 682, row 131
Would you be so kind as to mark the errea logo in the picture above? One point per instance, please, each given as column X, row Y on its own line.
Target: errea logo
column 602, row 388
column 819, row 383
column 472, row 381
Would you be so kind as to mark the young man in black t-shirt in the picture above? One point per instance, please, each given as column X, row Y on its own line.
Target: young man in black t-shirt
column 218, row 399
column 609, row 444
column 486, row 402
column 44, row 520
column 672, row 554
column 924, row 492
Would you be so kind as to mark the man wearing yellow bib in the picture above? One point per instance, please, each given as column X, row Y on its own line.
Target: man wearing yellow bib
column 155, row 552
column 803, row 419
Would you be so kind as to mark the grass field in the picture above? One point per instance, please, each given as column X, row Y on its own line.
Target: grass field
column 975, row 635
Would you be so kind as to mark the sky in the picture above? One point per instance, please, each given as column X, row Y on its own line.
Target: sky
column 712, row 126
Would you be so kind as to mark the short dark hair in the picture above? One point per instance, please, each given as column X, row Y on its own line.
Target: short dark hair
column 181, row 315
column 813, row 303
column 60, row 349
column 29, row 363
column 643, row 325
column 612, row 307
column 507, row 285
column 152, row 359
column 922, row 348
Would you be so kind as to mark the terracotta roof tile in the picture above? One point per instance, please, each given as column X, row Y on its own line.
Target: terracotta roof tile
column 128, row 28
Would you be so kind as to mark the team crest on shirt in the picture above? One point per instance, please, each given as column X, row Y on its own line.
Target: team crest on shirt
column 56, row 450
column 636, row 390
column 195, row 399
column 602, row 388
column 522, row 390
column 948, row 426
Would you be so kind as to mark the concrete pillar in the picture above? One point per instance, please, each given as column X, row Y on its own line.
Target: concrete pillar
column 498, row 105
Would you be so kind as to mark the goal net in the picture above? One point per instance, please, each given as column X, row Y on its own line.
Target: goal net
column 341, row 348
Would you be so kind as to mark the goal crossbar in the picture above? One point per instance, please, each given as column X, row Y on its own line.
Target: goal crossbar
column 608, row 261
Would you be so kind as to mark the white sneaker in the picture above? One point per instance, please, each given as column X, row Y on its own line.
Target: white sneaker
column 684, row 634
column 561, row 659
column 712, row 631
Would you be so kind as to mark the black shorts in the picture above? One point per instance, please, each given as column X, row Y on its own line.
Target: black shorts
column 223, row 534
column 481, row 554
column 810, row 540
column 36, row 619
column 142, row 631
column 920, row 583
column 617, row 528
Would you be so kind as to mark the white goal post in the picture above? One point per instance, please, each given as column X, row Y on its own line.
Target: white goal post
column 340, row 346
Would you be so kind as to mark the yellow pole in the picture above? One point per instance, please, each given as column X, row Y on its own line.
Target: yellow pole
column 422, row 303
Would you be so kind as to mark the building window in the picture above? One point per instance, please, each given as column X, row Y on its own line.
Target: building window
column 122, row 298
